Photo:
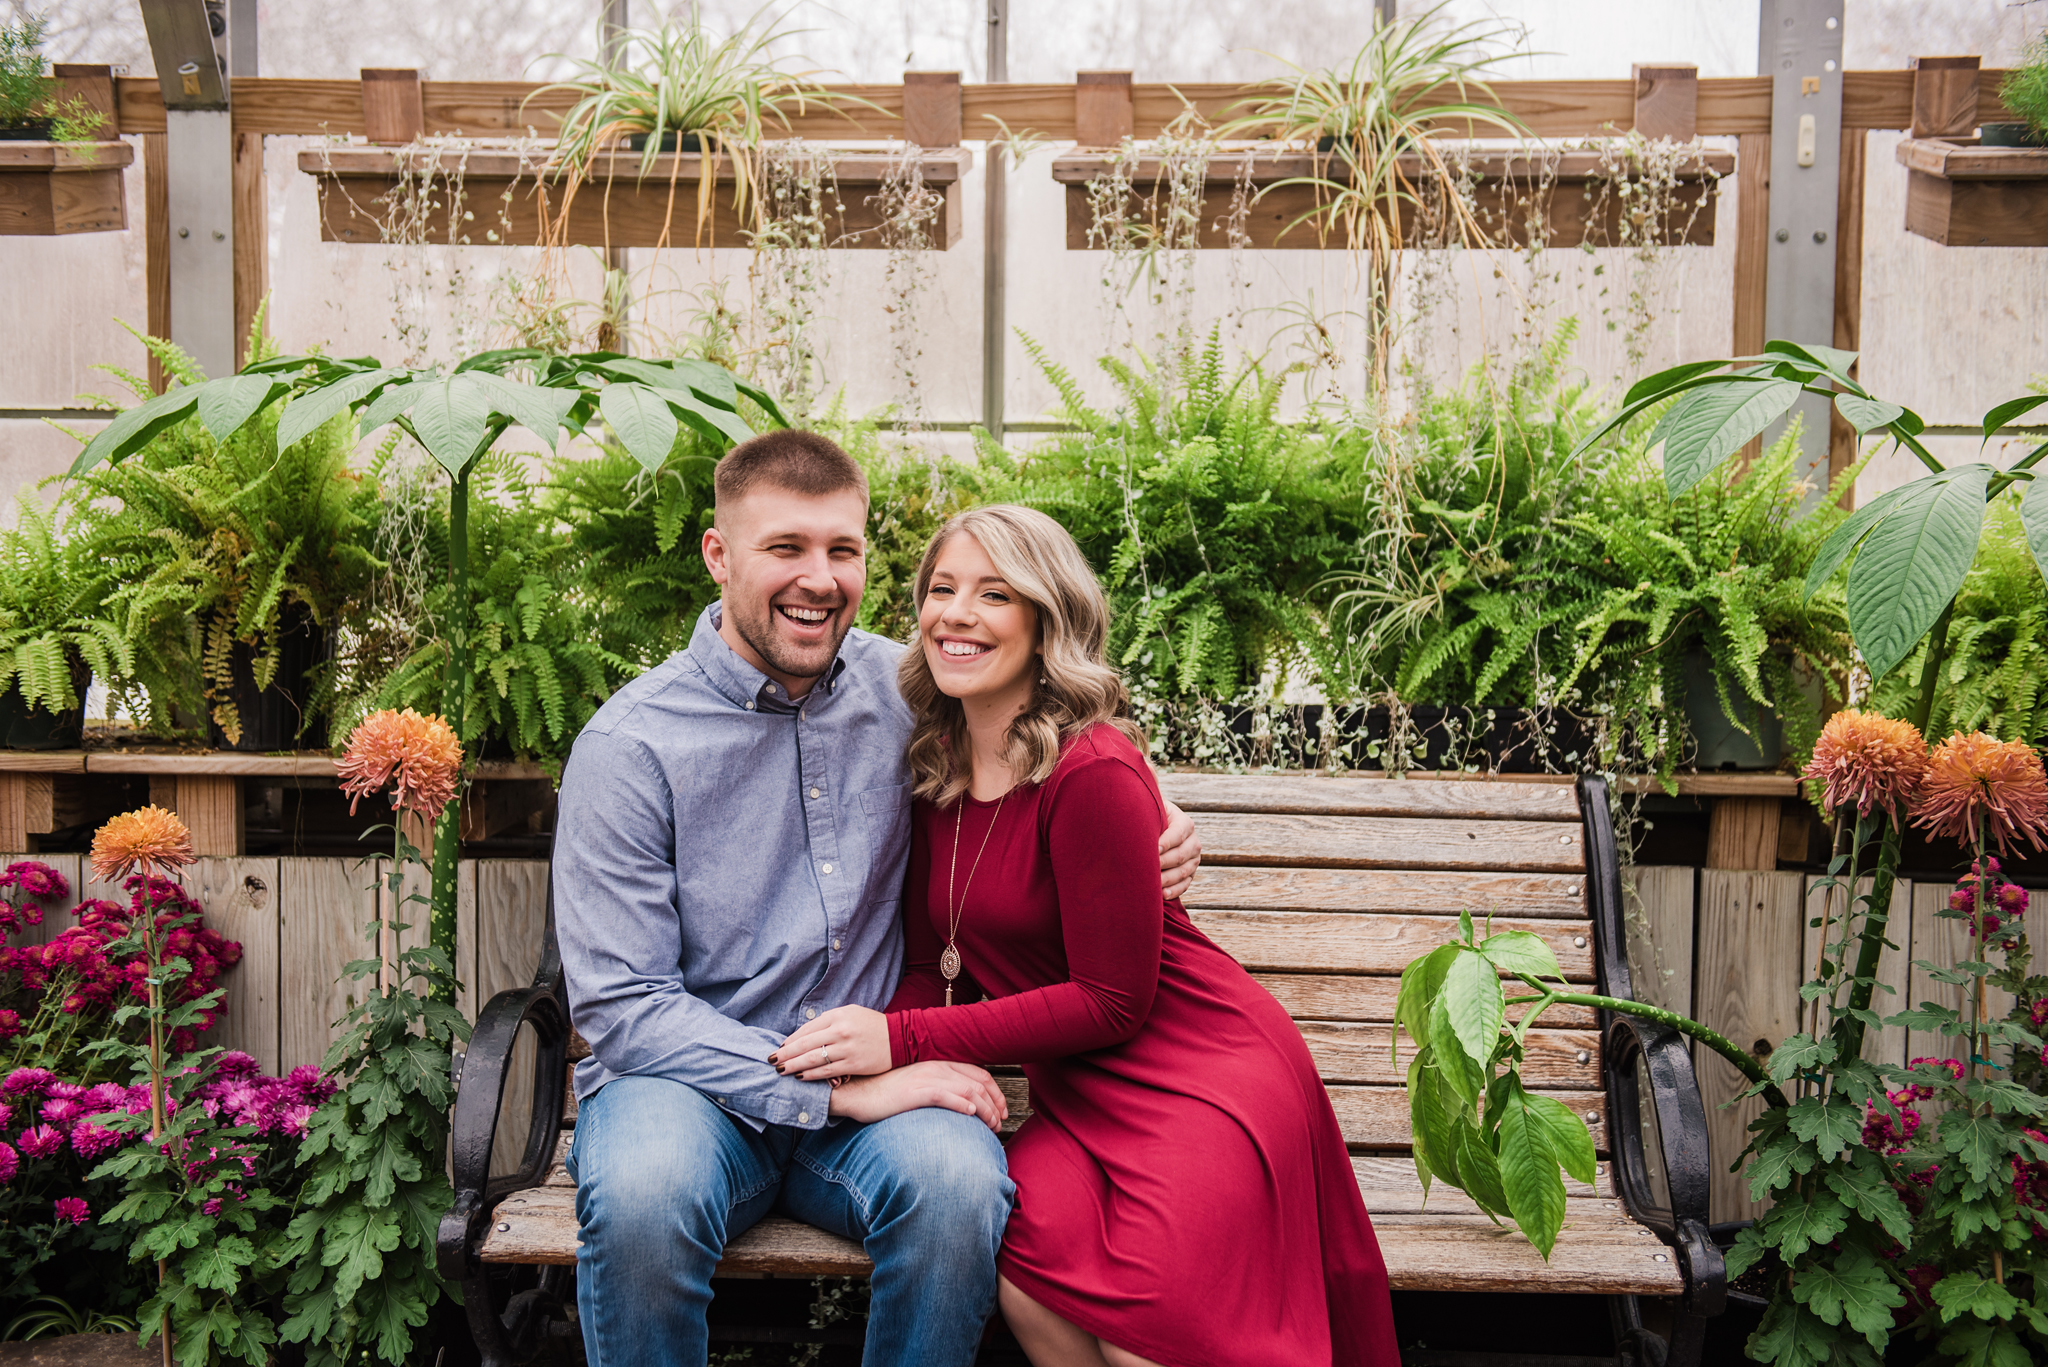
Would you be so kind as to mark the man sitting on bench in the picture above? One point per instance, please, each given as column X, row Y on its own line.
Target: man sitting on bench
column 729, row 861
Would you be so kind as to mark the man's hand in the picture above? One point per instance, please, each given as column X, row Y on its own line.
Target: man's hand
column 1180, row 853
column 847, row 1041
column 958, row 1087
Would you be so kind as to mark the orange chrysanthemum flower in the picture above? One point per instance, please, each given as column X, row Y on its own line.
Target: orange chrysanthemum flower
column 1974, row 779
column 421, row 752
column 1872, row 762
column 147, row 840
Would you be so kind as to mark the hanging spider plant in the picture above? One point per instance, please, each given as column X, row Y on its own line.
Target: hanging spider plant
column 676, row 82
column 1412, row 78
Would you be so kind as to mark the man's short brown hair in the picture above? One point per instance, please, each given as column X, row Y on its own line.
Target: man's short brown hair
column 788, row 458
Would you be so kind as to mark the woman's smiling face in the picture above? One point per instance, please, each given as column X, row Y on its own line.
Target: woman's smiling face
column 980, row 636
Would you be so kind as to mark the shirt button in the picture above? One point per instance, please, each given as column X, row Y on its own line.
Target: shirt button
column 803, row 1117
column 828, row 868
column 810, row 1014
column 750, row 704
column 817, row 792
column 835, row 944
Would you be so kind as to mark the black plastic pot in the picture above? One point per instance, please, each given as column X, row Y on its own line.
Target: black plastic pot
column 23, row 727
column 274, row 718
column 2011, row 135
column 671, row 141
column 1751, row 739
column 30, row 130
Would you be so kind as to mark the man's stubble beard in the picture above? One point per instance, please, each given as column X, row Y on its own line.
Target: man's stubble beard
column 758, row 631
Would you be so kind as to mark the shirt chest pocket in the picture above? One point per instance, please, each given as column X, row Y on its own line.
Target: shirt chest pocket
column 885, row 821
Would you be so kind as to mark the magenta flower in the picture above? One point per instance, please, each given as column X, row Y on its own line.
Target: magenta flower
column 10, row 1163
column 234, row 1064
column 43, row 1141
column 107, row 1097
column 212, row 1206
column 27, row 1082
column 72, row 1208
column 90, row 1140
column 10, row 1024
column 61, row 1111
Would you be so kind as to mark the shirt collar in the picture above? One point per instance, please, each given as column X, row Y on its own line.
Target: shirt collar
column 739, row 681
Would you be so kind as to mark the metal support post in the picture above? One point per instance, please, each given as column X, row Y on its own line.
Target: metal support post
column 994, row 253
column 611, row 46
column 1800, row 48
column 187, row 40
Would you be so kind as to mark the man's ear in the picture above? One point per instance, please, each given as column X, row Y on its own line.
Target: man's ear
column 715, row 551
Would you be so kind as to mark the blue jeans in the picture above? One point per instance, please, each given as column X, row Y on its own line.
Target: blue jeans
column 664, row 1179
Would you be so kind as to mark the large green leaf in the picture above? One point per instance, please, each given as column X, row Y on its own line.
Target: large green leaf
column 1479, row 1172
column 452, row 418
column 1475, row 1006
column 1800, row 1223
column 225, row 404
column 1705, row 429
column 2010, row 409
column 310, row 411
column 1420, row 983
column 2034, row 517
column 1866, row 414
column 536, row 408
column 1652, row 387
column 1912, row 563
column 1842, row 540
column 1432, row 1111
column 1570, row 1140
column 1528, row 1171
column 642, row 419
column 720, row 424
column 1828, row 359
column 387, row 406
column 1851, row 1287
column 131, row 431
column 1521, row 951
column 1830, row 1125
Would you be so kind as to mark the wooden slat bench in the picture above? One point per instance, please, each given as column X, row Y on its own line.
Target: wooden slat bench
column 1324, row 888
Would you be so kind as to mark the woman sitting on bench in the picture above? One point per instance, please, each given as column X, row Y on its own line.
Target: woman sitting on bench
column 1184, row 1197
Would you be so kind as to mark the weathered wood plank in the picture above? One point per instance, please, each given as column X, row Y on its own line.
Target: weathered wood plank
column 324, row 906
column 211, row 808
column 1395, row 891
column 240, row 897
column 1284, row 941
column 1882, row 1046
column 1364, row 842
column 1358, row 1054
column 1659, row 926
column 1329, row 796
column 1742, row 833
column 1377, row 1117
column 1747, row 987
column 1370, row 997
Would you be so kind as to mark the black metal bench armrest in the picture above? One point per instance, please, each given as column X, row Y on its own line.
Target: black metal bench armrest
column 481, row 1092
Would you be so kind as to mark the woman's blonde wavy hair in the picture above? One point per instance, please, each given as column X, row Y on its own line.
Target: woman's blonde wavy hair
column 1077, row 687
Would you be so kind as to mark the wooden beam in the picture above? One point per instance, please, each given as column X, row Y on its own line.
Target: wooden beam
column 1667, row 102
column 94, row 85
column 1746, row 985
column 252, row 239
column 1848, row 289
column 393, row 114
column 27, row 809
column 1945, row 96
column 211, row 807
column 1102, row 108
column 156, row 244
column 931, row 108
column 1742, row 833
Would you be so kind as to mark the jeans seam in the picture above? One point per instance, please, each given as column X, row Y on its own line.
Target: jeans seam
column 843, row 1182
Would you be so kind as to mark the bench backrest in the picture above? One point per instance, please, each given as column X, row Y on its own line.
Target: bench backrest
column 1326, row 888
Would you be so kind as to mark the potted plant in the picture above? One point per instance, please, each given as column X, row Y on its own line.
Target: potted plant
column 55, row 630
column 29, row 107
column 2025, row 92
column 676, row 88
column 232, row 559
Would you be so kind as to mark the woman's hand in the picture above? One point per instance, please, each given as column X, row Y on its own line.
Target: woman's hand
column 847, row 1041
column 958, row 1087
column 1180, row 853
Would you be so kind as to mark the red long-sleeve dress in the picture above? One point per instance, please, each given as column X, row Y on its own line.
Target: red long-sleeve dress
column 1183, row 1190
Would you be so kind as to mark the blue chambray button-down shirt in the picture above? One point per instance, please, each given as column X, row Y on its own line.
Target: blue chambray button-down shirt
column 728, row 865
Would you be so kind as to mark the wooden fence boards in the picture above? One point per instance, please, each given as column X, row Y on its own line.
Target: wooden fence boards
column 1879, row 1046
column 1658, row 924
column 1746, row 985
column 241, row 899
column 323, row 907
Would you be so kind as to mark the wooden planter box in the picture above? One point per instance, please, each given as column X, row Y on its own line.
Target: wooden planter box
column 501, row 189
column 48, row 189
column 1509, row 183
column 1962, row 195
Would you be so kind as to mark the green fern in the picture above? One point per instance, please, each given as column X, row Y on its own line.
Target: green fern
column 55, row 627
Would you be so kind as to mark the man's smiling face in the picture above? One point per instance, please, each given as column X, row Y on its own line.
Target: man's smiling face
column 790, row 569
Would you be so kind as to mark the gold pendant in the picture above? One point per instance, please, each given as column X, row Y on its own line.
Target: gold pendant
column 949, row 963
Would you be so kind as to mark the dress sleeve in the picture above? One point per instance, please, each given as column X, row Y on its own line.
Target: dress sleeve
column 1102, row 834
column 922, row 984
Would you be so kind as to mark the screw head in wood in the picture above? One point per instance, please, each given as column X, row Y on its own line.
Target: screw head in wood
column 503, row 1225
column 1662, row 1258
column 1584, row 1056
column 1578, row 942
column 1592, row 1117
column 1564, row 840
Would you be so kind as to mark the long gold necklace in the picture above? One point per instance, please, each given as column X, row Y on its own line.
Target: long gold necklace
column 949, row 961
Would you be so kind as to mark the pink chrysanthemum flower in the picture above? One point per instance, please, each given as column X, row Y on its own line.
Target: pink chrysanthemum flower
column 1974, row 778
column 10, row 1163
column 90, row 1140
column 1870, row 762
column 42, row 1141
column 420, row 752
column 72, row 1208
column 147, row 839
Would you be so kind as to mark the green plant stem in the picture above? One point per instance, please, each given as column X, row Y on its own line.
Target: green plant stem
column 441, row 921
column 1713, row 1039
